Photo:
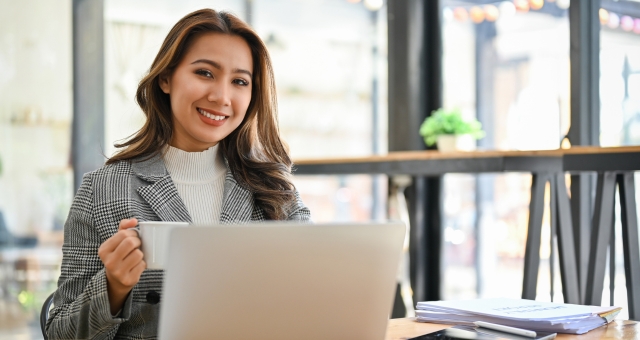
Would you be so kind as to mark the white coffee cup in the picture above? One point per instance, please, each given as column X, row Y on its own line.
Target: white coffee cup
column 155, row 241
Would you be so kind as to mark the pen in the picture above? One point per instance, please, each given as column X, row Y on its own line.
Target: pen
column 506, row 329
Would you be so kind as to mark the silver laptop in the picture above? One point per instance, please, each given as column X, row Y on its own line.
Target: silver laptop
column 281, row 281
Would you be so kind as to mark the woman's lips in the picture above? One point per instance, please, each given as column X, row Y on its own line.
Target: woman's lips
column 210, row 118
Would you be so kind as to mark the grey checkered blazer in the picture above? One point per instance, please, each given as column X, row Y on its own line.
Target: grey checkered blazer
column 114, row 192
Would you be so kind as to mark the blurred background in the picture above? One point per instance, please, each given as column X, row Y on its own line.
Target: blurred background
column 331, row 64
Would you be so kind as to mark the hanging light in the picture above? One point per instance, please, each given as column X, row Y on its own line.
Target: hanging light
column 536, row 4
column 626, row 23
column 460, row 14
column 614, row 21
column 491, row 13
column 636, row 26
column 603, row 14
column 373, row 5
column 507, row 9
column 521, row 5
column 563, row 4
column 477, row 14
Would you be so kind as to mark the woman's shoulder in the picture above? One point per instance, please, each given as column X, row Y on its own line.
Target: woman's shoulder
column 111, row 169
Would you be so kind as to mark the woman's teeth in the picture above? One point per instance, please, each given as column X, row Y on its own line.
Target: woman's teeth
column 210, row 116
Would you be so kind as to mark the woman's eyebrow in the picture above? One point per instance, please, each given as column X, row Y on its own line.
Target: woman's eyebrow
column 219, row 67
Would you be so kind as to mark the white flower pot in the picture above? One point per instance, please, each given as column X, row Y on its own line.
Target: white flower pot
column 456, row 143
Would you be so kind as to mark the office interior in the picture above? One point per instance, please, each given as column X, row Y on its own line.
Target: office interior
column 354, row 78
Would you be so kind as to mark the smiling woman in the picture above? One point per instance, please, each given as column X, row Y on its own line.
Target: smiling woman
column 209, row 152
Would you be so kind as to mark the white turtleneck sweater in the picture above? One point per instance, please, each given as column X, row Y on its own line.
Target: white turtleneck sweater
column 199, row 178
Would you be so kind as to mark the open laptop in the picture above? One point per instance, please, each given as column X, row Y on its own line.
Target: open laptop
column 281, row 281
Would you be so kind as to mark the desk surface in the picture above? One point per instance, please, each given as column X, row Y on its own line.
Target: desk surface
column 400, row 329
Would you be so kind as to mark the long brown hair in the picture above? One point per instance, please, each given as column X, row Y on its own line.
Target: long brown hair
column 256, row 155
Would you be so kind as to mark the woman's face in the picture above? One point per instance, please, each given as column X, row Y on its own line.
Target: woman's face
column 210, row 90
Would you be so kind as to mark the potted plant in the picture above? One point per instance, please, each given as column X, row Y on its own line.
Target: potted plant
column 450, row 131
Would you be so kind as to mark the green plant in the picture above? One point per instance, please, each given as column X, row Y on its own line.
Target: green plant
column 448, row 122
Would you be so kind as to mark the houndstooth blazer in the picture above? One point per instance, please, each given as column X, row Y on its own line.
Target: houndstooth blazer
column 143, row 190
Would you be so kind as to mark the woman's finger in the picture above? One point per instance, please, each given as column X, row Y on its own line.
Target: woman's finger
column 126, row 246
column 111, row 243
column 137, row 270
column 128, row 223
column 132, row 260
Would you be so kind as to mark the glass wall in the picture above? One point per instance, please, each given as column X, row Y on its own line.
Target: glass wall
column 35, row 174
column 330, row 62
column 619, row 106
column 620, row 73
column 505, row 63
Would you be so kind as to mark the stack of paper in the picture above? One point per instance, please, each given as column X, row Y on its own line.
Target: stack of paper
column 526, row 314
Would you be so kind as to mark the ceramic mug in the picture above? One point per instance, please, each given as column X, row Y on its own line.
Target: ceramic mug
column 155, row 241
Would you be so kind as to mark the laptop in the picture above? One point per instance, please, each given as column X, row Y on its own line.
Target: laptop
column 281, row 281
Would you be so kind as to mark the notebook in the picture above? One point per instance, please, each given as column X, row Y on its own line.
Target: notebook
column 281, row 281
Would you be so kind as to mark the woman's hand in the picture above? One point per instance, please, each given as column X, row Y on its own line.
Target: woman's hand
column 122, row 259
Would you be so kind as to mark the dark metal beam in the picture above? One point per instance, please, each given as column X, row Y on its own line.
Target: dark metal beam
column 600, row 237
column 584, row 30
column 584, row 27
column 630, row 246
column 534, row 232
column 415, row 72
column 469, row 163
column 88, row 88
column 566, row 243
column 406, row 73
column 621, row 161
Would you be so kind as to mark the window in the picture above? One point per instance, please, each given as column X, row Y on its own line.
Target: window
column 620, row 73
column 505, row 63
column 36, row 184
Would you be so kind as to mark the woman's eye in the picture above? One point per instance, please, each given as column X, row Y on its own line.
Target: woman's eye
column 204, row 73
column 241, row 82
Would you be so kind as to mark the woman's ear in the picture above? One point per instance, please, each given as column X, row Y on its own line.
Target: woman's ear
column 165, row 82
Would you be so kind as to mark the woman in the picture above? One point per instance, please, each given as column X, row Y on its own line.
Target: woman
column 209, row 152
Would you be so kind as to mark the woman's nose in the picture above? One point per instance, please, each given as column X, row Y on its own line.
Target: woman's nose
column 220, row 94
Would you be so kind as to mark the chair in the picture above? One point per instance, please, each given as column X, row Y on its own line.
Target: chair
column 44, row 314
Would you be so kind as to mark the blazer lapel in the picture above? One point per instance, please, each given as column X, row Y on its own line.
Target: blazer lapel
column 161, row 194
column 237, row 202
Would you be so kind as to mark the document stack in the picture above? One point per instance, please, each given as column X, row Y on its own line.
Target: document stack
column 526, row 314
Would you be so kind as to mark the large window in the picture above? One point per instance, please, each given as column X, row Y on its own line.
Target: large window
column 619, row 107
column 330, row 63
column 505, row 63
column 35, row 173
column 620, row 73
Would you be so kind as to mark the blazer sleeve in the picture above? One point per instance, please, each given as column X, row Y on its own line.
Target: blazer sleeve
column 299, row 211
column 81, row 303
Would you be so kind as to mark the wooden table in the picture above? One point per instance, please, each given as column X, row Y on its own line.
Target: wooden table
column 401, row 329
